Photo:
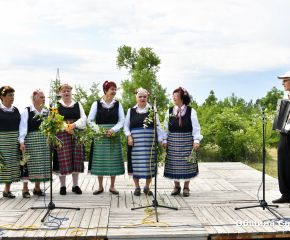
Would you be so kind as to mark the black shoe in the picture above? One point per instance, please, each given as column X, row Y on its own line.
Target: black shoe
column 137, row 192
column 8, row 195
column 115, row 192
column 77, row 190
column 98, row 192
column 281, row 200
column 62, row 191
column 146, row 190
column 185, row 194
column 177, row 192
column 26, row 194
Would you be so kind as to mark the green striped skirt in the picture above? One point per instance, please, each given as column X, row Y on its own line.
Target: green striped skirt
column 9, row 149
column 107, row 158
column 38, row 166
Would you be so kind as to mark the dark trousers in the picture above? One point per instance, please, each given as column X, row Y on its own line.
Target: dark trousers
column 284, row 166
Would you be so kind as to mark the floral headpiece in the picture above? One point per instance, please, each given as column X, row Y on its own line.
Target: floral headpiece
column 64, row 85
column 184, row 90
column 105, row 85
column 142, row 90
column 35, row 92
column 6, row 88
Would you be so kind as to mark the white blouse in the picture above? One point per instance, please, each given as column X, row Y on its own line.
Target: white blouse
column 94, row 110
column 81, row 122
column 23, row 127
column 142, row 110
column 194, row 122
column 7, row 109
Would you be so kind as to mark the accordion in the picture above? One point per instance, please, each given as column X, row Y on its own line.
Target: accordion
column 282, row 122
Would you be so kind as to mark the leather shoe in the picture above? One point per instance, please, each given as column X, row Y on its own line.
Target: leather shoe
column 115, row 192
column 98, row 192
column 77, row 190
column 146, row 190
column 177, row 192
column 137, row 192
column 281, row 200
column 8, row 195
column 185, row 194
column 62, row 191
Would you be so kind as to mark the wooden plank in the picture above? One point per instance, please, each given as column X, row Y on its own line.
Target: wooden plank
column 129, row 199
column 104, row 219
column 122, row 200
column 65, row 224
column 204, row 221
column 94, row 222
column 210, row 218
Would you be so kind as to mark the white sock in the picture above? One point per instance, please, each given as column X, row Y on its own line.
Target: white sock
column 75, row 178
column 62, row 180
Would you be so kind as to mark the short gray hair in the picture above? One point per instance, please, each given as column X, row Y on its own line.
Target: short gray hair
column 35, row 94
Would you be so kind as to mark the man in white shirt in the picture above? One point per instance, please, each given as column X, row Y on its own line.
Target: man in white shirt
column 284, row 154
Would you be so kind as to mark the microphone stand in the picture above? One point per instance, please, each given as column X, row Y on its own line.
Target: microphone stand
column 263, row 202
column 51, row 205
column 155, row 203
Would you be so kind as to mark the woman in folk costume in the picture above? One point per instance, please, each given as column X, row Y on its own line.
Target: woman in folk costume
column 33, row 143
column 69, row 159
column 9, row 147
column 140, row 141
column 181, row 135
column 106, row 159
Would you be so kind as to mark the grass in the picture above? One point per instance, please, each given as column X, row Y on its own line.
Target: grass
column 209, row 154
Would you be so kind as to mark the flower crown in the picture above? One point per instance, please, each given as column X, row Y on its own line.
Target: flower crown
column 6, row 88
column 142, row 90
column 35, row 92
column 184, row 90
column 64, row 85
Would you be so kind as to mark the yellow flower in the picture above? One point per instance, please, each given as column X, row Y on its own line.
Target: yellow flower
column 68, row 127
column 48, row 133
column 57, row 120
column 49, row 117
column 48, row 129
column 57, row 129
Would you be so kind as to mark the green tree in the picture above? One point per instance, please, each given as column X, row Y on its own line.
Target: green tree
column 87, row 99
column 143, row 66
column 211, row 99
column 270, row 101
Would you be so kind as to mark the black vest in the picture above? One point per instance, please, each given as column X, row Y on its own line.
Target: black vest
column 71, row 113
column 107, row 115
column 32, row 123
column 186, row 122
column 137, row 119
column 9, row 121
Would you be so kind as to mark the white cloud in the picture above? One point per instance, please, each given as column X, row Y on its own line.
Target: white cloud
column 193, row 38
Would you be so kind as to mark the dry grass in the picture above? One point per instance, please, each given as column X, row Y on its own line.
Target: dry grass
column 211, row 155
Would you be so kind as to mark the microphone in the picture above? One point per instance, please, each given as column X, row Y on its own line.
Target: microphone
column 154, row 98
column 259, row 106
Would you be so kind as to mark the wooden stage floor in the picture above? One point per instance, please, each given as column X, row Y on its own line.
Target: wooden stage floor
column 208, row 213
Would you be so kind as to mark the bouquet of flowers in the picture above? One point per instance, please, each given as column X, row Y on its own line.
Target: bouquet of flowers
column 24, row 160
column 51, row 125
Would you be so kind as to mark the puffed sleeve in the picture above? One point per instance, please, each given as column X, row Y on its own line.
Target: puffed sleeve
column 159, row 130
column 121, row 116
column 92, row 114
column 165, row 131
column 23, row 126
column 127, row 123
column 81, row 122
column 195, row 127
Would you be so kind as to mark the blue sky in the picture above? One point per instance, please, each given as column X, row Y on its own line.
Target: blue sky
column 226, row 46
